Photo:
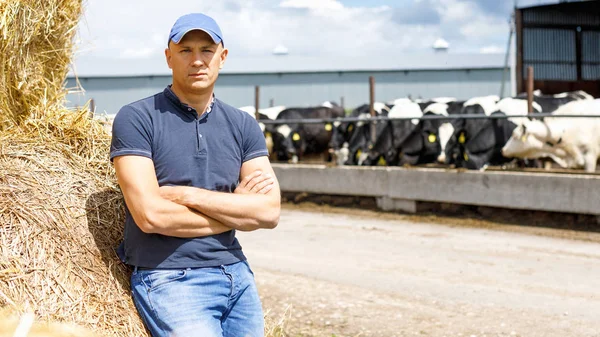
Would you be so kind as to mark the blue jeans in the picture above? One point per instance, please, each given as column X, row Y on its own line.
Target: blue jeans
column 204, row 302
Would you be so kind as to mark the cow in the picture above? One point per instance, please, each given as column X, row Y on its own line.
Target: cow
column 417, row 142
column 462, row 128
column 550, row 103
column 438, row 131
column 395, row 142
column 361, row 140
column 267, row 129
column 343, row 133
column 570, row 142
column 292, row 141
column 443, row 100
column 337, row 109
column 477, row 143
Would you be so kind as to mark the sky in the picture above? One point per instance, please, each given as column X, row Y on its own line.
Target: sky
column 138, row 29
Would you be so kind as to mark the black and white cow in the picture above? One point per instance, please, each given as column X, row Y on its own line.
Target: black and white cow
column 443, row 100
column 267, row 129
column 472, row 140
column 550, row 103
column 292, row 141
column 479, row 142
column 413, row 142
column 350, row 139
column 439, row 131
column 392, row 144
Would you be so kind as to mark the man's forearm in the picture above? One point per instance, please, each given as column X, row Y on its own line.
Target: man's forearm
column 244, row 212
column 171, row 219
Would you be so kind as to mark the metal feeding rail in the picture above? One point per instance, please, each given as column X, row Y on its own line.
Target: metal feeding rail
column 428, row 117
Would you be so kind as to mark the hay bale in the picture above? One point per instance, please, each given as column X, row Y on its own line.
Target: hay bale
column 26, row 326
column 36, row 42
column 62, row 217
column 61, row 213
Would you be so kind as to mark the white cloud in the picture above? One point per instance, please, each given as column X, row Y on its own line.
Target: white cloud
column 312, row 4
column 327, row 28
column 468, row 27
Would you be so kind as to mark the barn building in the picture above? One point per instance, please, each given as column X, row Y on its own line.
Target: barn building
column 300, row 81
column 562, row 44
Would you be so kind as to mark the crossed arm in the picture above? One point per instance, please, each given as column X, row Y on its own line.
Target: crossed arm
column 184, row 211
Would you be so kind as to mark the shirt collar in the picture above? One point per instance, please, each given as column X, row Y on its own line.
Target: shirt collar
column 173, row 98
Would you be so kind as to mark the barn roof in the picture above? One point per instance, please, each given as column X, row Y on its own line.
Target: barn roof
column 564, row 5
column 89, row 66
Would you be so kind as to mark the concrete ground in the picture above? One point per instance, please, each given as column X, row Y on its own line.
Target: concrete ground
column 363, row 273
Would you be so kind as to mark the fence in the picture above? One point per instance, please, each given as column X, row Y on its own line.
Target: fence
column 374, row 118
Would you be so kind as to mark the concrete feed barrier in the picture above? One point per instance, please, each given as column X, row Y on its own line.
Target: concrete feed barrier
column 399, row 188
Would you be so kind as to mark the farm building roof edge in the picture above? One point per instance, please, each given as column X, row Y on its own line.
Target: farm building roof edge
column 89, row 66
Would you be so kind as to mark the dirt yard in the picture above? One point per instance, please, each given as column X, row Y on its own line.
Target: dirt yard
column 346, row 272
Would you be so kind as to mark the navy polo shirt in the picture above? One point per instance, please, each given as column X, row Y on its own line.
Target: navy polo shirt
column 187, row 150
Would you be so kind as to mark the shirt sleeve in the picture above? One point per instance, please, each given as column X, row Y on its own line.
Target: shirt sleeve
column 131, row 134
column 254, row 144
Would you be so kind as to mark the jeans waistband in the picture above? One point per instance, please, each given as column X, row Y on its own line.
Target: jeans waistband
column 136, row 268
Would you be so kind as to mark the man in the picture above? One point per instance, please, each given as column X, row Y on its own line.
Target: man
column 179, row 156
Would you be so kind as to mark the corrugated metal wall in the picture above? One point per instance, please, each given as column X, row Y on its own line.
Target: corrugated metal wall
column 302, row 89
column 550, row 60
column 562, row 43
column 563, row 14
column 590, row 55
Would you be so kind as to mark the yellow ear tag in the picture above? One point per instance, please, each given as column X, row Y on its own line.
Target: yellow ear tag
column 381, row 162
column 296, row 137
column 461, row 138
column 268, row 134
column 350, row 128
column 523, row 138
column 432, row 138
column 328, row 127
column 358, row 153
column 466, row 156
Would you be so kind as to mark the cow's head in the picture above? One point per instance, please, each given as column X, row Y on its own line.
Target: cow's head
column 524, row 144
column 283, row 144
column 456, row 142
column 341, row 132
column 445, row 131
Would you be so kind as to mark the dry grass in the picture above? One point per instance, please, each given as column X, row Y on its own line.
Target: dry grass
column 26, row 325
column 62, row 217
column 275, row 326
column 36, row 40
column 61, row 213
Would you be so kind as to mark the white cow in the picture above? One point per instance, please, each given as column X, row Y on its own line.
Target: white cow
column 571, row 142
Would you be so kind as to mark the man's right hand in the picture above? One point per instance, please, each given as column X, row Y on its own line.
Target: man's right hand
column 255, row 183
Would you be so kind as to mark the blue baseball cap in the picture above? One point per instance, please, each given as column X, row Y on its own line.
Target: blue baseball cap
column 195, row 21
